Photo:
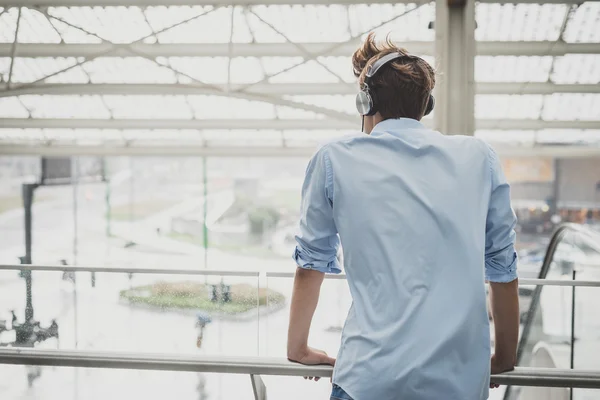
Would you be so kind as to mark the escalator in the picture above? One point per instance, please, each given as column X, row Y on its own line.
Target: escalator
column 549, row 325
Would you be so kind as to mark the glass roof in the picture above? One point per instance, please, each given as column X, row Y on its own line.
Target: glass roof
column 336, row 23
column 127, row 24
column 220, row 29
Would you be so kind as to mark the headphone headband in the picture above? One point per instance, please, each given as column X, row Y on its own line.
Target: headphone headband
column 381, row 62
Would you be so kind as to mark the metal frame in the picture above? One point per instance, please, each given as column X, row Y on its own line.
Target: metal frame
column 158, row 271
column 343, row 122
column 258, row 387
column 522, row 282
column 164, row 271
column 124, row 148
column 348, row 122
column 455, row 50
column 286, row 49
column 143, row 3
column 298, row 89
column 258, row 366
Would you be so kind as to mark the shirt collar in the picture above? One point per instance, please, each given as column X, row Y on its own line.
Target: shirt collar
column 396, row 124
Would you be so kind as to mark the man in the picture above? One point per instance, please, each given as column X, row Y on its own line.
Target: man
column 424, row 220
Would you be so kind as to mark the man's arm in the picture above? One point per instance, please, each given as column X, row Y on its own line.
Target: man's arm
column 501, row 270
column 305, row 297
column 315, row 254
column 504, row 300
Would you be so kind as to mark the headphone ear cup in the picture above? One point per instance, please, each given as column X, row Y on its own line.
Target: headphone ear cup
column 430, row 105
column 364, row 103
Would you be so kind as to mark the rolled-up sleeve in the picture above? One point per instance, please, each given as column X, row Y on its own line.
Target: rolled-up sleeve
column 317, row 241
column 500, row 255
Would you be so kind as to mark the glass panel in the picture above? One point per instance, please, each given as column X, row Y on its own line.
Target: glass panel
column 50, row 300
column 50, row 383
column 149, row 313
column 169, row 313
column 587, row 324
column 548, row 343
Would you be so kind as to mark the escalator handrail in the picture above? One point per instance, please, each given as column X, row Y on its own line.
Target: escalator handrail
column 555, row 240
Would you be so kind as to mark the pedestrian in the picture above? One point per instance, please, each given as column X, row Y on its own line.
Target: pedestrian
column 425, row 219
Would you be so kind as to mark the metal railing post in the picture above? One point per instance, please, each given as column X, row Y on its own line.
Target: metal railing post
column 572, row 363
column 258, row 387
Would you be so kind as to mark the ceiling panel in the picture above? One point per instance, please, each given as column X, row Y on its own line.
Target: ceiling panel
column 583, row 25
column 11, row 107
column 36, row 28
column 68, row 106
column 508, row 22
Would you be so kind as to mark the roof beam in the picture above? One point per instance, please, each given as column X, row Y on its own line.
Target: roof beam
column 533, row 124
column 562, row 151
column 191, row 49
column 299, row 89
column 274, row 124
column 539, row 48
column 145, row 150
column 488, row 48
column 142, row 3
column 533, row 88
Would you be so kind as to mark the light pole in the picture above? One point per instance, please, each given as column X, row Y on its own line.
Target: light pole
column 28, row 193
column 30, row 332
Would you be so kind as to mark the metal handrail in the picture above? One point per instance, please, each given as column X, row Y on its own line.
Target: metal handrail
column 558, row 282
column 212, row 272
column 546, row 377
column 291, row 274
column 158, row 271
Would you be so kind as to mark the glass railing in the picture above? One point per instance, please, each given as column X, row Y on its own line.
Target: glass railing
column 195, row 313
column 561, row 328
column 140, row 310
column 187, row 312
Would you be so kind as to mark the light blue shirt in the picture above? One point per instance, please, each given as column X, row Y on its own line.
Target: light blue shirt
column 424, row 220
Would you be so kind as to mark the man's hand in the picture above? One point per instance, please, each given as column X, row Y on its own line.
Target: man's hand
column 497, row 367
column 312, row 356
